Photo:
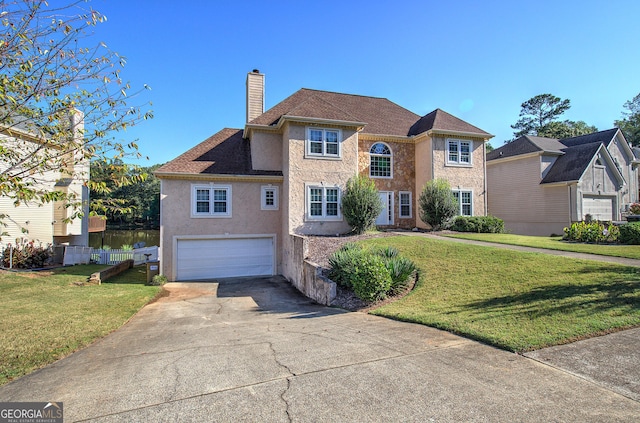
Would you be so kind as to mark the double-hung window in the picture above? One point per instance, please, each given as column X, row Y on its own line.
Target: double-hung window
column 380, row 161
column 459, row 152
column 323, row 142
column 211, row 201
column 465, row 203
column 405, row 203
column 323, row 203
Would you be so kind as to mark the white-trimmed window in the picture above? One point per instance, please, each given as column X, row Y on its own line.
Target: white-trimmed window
column 323, row 142
column 269, row 198
column 211, row 201
column 459, row 152
column 380, row 161
column 405, row 204
column 323, row 203
column 465, row 202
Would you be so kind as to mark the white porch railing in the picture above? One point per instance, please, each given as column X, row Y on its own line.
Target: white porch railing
column 139, row 255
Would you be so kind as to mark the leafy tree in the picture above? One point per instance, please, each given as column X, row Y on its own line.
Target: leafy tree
column 50, row 78
column 120, row 200
column 361, row 203
column 566, row 129
column 630, row 122
column 438, row 205
column 538, row 112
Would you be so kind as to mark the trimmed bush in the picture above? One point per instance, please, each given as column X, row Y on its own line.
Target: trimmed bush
column 344, row 263
column 630, row 233
column 359, row 270
column 361, row 204
column 480, row 224
column 158, row 280
column 371, row 280
column 593, row 232
column 438, row 205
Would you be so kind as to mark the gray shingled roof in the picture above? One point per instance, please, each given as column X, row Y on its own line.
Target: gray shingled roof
column 575, row 153
column 571, row 165
column 603, row 137
column 225, row 153
column 527, row 144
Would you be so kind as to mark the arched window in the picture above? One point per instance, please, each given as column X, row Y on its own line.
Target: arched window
column 381, row 161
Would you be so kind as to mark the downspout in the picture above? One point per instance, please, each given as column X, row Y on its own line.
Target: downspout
column 570, row 206
column 484, row 165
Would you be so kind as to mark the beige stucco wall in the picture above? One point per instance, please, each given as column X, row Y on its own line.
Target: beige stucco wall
column 247, row 217
column 462, row 177
column 266, row 151
column 516, row 196
column 403, row 175
column 300, row 170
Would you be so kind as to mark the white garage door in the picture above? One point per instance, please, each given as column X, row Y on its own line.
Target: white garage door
column 224, row 257
column 600, row 208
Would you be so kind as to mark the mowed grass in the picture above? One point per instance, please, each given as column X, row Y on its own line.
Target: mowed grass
column 553, row 243
column 515, row 301
column 45, row 316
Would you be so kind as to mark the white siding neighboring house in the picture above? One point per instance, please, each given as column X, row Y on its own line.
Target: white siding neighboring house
column 45, row 223
column 539, row 186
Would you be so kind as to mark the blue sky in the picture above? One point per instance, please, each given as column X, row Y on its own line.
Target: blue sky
column 478, row 60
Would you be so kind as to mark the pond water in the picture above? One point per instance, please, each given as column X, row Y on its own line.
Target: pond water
column 117, row 238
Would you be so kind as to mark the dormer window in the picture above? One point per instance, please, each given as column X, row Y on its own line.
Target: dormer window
column 323, row 143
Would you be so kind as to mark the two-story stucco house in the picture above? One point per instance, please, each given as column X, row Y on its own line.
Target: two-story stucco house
column 539, row 186
column 49, row 222
column 229, row 204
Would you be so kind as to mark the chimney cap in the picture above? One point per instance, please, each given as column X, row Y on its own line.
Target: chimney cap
column 256, row 71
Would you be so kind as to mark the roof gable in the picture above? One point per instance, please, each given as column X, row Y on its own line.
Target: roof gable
column 380, row 116
column 224, row 153
column 439, row 120
column 527, row 144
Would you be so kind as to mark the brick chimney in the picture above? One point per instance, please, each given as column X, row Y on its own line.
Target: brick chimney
column 255, row 94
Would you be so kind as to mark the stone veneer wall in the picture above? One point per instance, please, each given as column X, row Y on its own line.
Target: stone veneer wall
column 403, row 173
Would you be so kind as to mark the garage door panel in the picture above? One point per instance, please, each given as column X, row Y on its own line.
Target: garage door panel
column 600, row 208
column 228, row 257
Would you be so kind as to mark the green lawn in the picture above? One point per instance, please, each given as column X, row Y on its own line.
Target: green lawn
column 553, row 243
column 45, row 316
column 513, row 300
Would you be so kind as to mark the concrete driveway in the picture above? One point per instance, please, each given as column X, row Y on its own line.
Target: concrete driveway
column 256, row 350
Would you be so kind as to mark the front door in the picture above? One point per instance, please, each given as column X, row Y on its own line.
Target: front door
column 386, row 217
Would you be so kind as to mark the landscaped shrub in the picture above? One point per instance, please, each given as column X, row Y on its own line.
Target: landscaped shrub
column 630, row 233
column 371, row 280
column 343, row 264
column 26, row 255
column 437, row 203
column 480, row 224
column 157, row 280
column 127, row 247
column 361, row 203
column 594, row 232
column 351, row 265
